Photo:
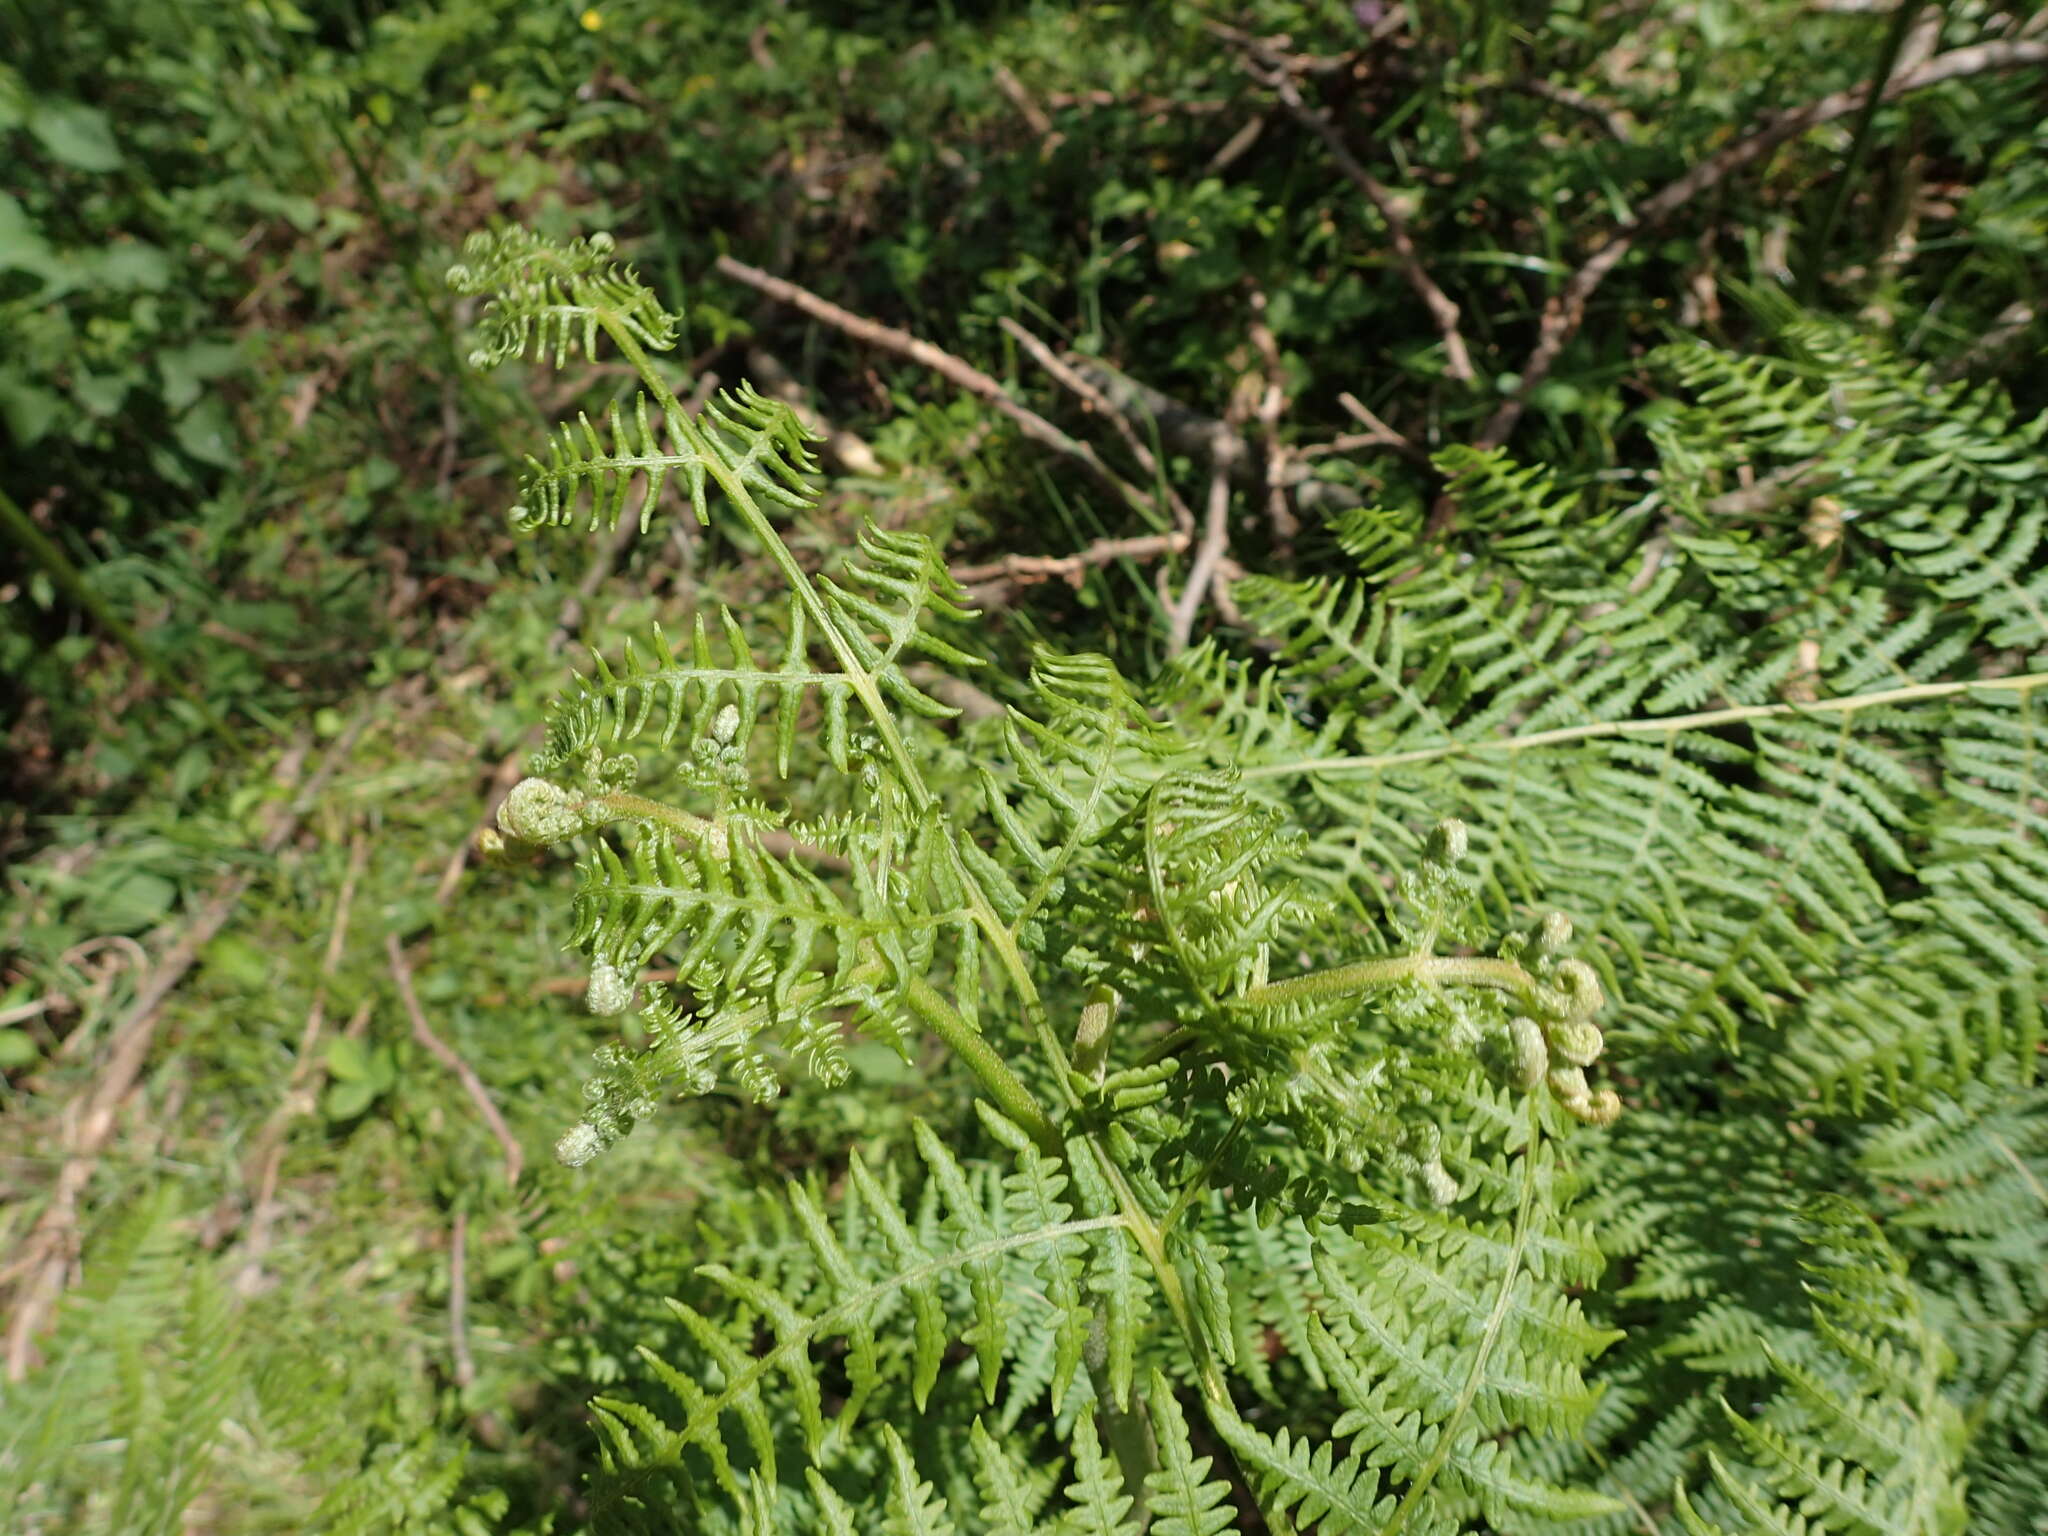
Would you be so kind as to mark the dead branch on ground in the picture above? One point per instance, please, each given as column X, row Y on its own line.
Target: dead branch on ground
column 1276, row 72
column 52, row 1246
column 1093, row 400
column 441, row 1051
column 962, row 374
column 1566, row 310
column 260, row 1169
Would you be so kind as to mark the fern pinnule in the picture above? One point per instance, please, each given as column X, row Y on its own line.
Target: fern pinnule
column 553, row 296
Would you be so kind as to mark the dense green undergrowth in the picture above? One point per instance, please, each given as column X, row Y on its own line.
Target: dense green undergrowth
column 1729, row 657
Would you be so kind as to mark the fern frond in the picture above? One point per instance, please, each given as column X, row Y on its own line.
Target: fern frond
column 1100, row 1506
column 552, row 295
column 1182, row 1498
column 975, row 1241
column 1863, row 1440
column 593, row 470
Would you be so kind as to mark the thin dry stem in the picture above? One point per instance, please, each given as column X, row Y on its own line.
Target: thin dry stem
column 441, row 1051
column 1566, row 311
column 52, row 1246
column 1095, row 400
column 956, row 371
column 1277, row 75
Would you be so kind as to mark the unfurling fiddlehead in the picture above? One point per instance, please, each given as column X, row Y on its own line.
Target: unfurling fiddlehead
column 1097, row 921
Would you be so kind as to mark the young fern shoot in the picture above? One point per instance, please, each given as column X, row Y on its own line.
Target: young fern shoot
column 1190, row 1050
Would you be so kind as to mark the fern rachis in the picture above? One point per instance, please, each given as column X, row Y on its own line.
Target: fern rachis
column 1152, row 926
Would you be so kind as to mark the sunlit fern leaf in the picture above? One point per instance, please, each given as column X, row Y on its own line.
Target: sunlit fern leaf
column 913, row 1508
column 1011, row 1495
column 591, row 471
column 1033, row 1196
column 553, row 296
column 1211, row 856
column 1436, row 1397
column 1100, row 1506
column 732, row 1375
column 685, row 695
column 1307, row 1480
column 1277, row 1257
column 716, row 691
column 1117, row 1274
column 1183, row 1499
column 1075, row 767
column 833, row 1510
column 1862, row 1439
column 902, row 588
column 1883, row 455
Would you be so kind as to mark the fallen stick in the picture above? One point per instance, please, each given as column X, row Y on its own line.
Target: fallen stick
column 1566, row 311
column 1611, row 121
column 1277, row 76
column 962, row 374
column 1030, row 568
column 51, row 1247
column 458, row 1301
column 302, row 1090
column 1045, row 357
column 441, row 1051
column 1212, row 552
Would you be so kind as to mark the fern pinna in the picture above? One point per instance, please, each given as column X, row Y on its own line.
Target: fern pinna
column 1302, row 1192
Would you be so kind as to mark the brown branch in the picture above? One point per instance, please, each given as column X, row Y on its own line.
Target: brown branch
column 1236, row 147
column 1024, row 569
column 1566, row 311
column 1181, row 427
column 1610, row 119
column 1143, row 106
column 1271, row 403
column 55, row 1002
column 962, row 374
column 1210, row 554
column 1278, row 77
column 1377, row 433
column 401, row 973
column 1457, row 360
column 52, row 1245
column 1094, row 400
column 458, row 1301
column 266, row 1156
column 1034, row 116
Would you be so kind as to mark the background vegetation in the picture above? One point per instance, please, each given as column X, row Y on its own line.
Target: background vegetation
column 273, row 650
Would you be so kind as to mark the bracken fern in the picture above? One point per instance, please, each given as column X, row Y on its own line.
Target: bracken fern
column 1300, row 1196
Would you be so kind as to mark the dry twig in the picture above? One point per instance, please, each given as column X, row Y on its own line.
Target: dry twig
column 401, row 974
column 458, row 1300
column 1093, row 399
column 302, row 1090
column 1271, row 389
column 1566, row 311
column 1377, row 433
column 52, row 1246
column 1034, row 116
column 1611, row 121
column 1210, row 554
column 1025, row 569
column 1278, row 76
column 962, row 374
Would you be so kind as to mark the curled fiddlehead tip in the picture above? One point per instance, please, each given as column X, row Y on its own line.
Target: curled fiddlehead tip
column 579, row 1144
column 610, row 990
column 539, row 812
column 1449, row 842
